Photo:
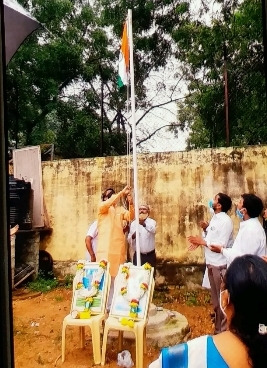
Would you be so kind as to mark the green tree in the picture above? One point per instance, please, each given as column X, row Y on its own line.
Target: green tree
column 235, row 36
column 54, row 81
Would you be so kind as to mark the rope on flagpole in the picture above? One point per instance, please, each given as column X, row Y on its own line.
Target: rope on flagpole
column 128, row 95
column 128, row 163
column 128, row 159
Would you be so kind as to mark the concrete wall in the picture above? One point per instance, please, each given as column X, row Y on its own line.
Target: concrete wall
column 177, row 185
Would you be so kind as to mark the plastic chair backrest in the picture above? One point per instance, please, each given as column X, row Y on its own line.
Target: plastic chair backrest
column 150, row 296
column 105, row 301
column 74, row 283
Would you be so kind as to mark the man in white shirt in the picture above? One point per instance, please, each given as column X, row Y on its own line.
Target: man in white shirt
column 251, row 238
column 219, row 230
column 147, row 231
column 91, row 242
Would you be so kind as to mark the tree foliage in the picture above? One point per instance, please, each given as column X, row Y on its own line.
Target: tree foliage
column 54, row 80
column 233, row 40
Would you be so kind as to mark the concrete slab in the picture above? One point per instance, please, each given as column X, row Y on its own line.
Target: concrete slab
column 166, row 328
column 158, row 320
column 152, row 310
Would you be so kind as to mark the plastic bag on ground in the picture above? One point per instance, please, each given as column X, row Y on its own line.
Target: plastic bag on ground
column 125, row 359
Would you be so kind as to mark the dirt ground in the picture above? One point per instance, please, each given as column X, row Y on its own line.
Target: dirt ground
column 38, row 320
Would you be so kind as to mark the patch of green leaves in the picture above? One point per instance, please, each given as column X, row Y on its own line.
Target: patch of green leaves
column 192, row 298
column 43, row 284
column 68, row 280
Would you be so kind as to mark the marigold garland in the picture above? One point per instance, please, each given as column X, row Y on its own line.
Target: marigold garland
column 89, row 294
column 133, row 302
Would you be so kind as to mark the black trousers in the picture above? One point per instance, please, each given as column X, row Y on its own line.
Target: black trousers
column 147, row 258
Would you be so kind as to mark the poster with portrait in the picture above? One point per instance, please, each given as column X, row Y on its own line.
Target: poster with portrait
column 120, row 306
column 85, row 277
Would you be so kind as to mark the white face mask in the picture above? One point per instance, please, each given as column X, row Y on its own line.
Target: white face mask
column 223, row 309
column 210, row 205
column 211, row 211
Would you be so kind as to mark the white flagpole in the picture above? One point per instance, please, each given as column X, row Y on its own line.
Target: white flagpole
column 136, row 201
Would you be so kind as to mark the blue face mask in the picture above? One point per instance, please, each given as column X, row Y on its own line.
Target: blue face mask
column 210, row 203
column 239, row 214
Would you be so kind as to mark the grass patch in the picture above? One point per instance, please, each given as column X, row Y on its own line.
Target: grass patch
column 192, row 298
column 68, row 281
column 182, row 296
column 161, row 297
column 42, row 284
column 59, row 298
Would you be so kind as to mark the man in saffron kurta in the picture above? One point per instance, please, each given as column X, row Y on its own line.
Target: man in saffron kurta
column 111, row 238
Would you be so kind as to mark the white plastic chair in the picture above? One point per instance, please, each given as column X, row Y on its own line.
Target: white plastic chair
column 139, row 330
column 94, row 322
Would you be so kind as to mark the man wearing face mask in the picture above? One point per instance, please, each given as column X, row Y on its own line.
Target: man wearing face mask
column 111, row 238
column 219, row 230
column 147, row 231
column 251, row 238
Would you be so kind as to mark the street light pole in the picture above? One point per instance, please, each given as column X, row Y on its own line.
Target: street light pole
column 6, row 320
column 102, row 113
column 226, row 96
column 102, row 118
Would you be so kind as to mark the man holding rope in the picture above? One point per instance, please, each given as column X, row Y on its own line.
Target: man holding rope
column 111, row 238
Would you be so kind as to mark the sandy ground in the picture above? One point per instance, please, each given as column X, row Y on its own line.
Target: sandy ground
column 38, row 320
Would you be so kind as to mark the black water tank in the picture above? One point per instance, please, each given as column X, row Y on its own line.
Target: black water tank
column 19, row 203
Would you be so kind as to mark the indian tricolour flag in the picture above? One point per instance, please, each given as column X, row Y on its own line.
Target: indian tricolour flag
column 124, row 58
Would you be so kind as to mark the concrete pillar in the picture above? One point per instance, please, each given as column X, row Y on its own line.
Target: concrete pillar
column 30, row 250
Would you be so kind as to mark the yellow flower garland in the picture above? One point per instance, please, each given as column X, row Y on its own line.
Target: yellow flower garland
column 133, row 302
column 86, row 313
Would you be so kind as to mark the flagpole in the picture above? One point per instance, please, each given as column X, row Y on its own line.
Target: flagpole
column 135, row 173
